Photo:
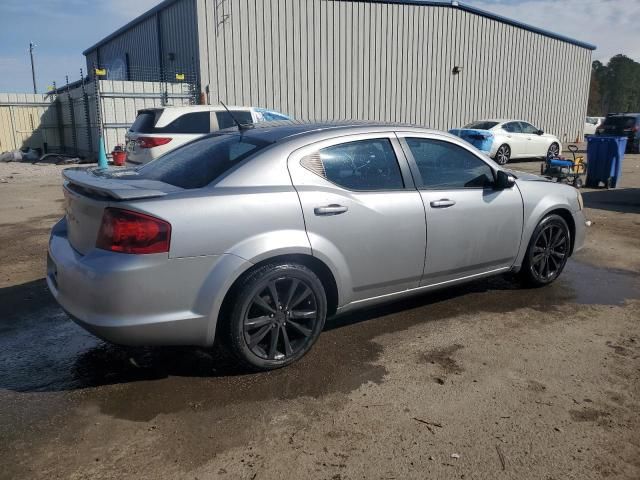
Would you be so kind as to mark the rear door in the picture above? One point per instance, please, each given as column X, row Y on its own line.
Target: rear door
column 471, row 228
column 362, row 211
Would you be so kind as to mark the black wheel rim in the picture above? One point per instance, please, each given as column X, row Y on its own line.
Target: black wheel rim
column 549, row 252
column 503, row 155
column 281, row 318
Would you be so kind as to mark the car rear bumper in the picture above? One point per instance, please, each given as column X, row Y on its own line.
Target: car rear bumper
column 131, row 299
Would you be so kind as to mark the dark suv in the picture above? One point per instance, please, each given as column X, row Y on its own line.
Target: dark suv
column 623, row 125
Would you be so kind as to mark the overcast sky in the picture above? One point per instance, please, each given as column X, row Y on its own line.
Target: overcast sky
column 62, row 29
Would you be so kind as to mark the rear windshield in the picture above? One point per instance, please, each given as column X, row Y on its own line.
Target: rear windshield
column 144, row 122
column 482, row 125
column 620, row 122
column 190, row 122
column 197, row 164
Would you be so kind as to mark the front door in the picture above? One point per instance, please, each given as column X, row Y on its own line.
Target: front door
column 516, row 139
column 471, row 227
column 362, row 212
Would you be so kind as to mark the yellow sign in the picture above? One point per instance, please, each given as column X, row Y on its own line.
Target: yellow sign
column 101, row 72
column 179, row 76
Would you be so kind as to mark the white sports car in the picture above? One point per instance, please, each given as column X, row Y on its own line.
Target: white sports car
column 503, row 139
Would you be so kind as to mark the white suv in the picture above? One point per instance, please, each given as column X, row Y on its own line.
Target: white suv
column 157, row 131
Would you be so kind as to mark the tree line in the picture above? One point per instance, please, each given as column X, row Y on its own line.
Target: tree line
column 615, row 87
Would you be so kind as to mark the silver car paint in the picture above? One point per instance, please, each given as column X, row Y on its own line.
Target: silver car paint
column 256, row 212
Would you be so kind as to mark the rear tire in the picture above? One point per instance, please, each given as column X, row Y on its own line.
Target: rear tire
column 577, row 182
column 503, row 154
column 547, row 252
column 553, row 151
column 277, row 314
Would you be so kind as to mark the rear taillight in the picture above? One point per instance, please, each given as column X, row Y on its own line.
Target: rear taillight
column 125, row 231
column 150, row 142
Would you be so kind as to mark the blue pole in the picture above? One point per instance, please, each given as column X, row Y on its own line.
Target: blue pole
column 102, row 156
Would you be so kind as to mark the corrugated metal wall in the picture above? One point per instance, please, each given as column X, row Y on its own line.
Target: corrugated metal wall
column 140, row 43
column 324, row 59
column 180, row 37
column 27, row 120
column 170, row 33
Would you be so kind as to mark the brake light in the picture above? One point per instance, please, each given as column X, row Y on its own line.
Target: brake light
column 126, row 231
column 150, row 142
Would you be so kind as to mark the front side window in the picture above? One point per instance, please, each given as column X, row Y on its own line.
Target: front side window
column 360, row 165
column 512, row 127
column 528, row 128
column 444, row 165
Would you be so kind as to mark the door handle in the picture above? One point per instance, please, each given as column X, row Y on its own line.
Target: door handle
column 332, row 209
column 442, row 203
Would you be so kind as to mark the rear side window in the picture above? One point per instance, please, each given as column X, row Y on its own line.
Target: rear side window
column 225, row 120
column 194, row 122
column 361, row 165
column 197, row 164
column 443, row 165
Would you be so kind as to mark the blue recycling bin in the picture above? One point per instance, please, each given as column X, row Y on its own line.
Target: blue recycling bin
column 604, row 160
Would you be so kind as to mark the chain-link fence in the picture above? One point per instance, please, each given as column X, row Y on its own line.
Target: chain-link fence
column 72, row 117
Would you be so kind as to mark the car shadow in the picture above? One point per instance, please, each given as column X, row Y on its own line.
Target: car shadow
column 42, row 350
column 622, row 200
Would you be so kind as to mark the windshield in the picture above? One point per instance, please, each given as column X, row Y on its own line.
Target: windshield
column 199, row 163
column 481, row 125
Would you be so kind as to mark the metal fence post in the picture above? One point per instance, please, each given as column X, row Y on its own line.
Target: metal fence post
column 72, row 114
column 87, row 114
column 59, row 117
column 102, row 156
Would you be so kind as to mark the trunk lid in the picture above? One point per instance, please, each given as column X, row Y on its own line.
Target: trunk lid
column 481, row 139
column 88, row 192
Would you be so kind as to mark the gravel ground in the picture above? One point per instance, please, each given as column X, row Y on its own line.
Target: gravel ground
column 489, row 380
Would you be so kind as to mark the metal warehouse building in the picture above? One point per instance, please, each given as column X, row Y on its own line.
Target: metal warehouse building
column 433, row 63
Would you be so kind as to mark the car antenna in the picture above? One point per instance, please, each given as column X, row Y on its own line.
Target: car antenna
column 240, row 126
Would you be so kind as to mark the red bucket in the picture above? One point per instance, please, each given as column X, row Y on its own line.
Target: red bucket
column 119, row 158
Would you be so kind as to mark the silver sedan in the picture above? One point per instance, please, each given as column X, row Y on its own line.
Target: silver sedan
column 255, row 237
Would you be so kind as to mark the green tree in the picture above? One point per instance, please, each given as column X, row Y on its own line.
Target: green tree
column 615, row 87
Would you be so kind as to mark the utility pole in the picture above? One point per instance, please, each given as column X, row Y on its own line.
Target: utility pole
column 33, row 69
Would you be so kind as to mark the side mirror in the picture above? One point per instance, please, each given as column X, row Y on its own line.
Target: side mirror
column 539, row 132
column 503, row 180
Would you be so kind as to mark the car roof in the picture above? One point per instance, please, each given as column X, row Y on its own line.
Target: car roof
column 273, row 132
column 202, row 108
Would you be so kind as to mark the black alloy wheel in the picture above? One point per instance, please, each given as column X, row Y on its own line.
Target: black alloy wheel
column 279, row 313
column 548, row 251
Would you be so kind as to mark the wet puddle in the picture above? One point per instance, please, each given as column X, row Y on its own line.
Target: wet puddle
column 42, row 351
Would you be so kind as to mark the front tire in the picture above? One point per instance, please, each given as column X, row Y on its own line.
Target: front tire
column 547, row 252
column 503, row 154
column 277, row 315
column 553, row 151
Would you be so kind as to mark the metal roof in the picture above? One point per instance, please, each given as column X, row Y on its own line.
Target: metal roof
column 438, row 3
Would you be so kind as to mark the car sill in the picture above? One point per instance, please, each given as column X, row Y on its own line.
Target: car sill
column 416, row 291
